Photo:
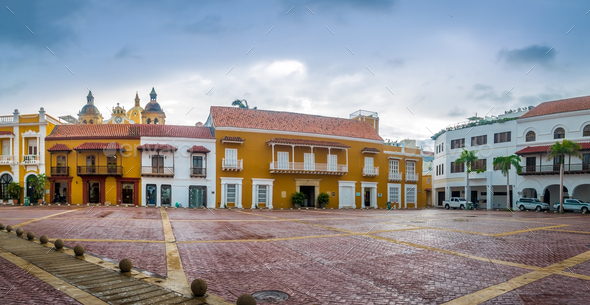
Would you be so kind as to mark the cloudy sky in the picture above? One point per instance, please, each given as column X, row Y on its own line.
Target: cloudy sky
column 421, row 65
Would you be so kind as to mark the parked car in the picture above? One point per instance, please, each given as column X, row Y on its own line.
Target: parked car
column 532, row 204
column 456, row 203
column 575, row 205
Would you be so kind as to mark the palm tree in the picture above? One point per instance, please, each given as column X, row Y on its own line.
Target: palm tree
column 241, row 104
column 467, row 158
column 504, row 164
column 559, row 150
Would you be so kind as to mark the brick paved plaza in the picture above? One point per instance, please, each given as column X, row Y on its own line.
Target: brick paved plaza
column 327, row 256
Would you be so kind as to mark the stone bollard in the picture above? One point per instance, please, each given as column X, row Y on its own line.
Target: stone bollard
column 30, row 235
column 79, row 250
column 43, row 239
column 246, row 299
column 199, row 287
column 19, row 232
column 2, row 226
column 59, row 243
column 125, row 265
column 8, row 228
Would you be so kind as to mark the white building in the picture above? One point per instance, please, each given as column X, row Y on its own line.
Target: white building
column 490, row 137
column 540, row 128
column 177, row 166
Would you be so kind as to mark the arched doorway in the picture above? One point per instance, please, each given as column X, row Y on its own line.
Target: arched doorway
column 529, row 193
column 5, row 180
column 551, row 194
column 582, row 192
column 30, row 187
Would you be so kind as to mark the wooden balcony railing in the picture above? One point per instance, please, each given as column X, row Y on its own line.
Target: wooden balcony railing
column 100, row 170
column 553, row 169
column 157, row 171
column 198, row 172
column 308, row 168
column 60, row 171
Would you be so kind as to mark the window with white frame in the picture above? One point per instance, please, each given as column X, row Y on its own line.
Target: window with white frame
column 332, row 162
column 369, row 169
column 309, row 161
column 230, row 193
column 231, row 157
column 6, row 148
column 262, row 194
column 394, row 193
column 283, row 160
column 393, row 166
column 410, row 167
column 410, row 194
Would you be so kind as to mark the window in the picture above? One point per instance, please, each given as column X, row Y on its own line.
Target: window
column 112, row 164
column 586, row 132
column 149, row 121
column 369, row 163
column 198, row 166
column 502, row 137
column 231, row 157
column 479, row 140
column 262, row 194
column 91, row 122
column 394, row 194
column 309, row 161
column 157, row 164
column 437, row 169
column 90, row 164
column 410, row 194
column 230, row 193
column 586, row 161
column 428, row 180
column 531, row 136
column 394, row 166
column 458, row 143
column 166, row 191
column 457, row 167
column 283, row 160
column 442, row 169
column 480, row 164
column 32, row 145
column 155, row 121
column 410, row 167
column 6, row 148
column 559, row 133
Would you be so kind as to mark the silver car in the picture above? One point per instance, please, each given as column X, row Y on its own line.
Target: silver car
column 575, row 205
column 532, row 204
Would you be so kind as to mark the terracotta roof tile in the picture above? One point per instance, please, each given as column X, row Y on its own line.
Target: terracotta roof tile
column 544, row 148
column 306, row 142
column 99, row 146
column 232, row 139
column 198, row 149
column 370, row 150
column 292, row 122
column 156, row 147
column 559, row 106
column 6, row 133
column 59, row 147
column 133, row 131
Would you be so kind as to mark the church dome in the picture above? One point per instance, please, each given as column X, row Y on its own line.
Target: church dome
column 89, row 109
column 153, row 106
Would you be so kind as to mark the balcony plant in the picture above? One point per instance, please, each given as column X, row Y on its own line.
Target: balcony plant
column 39, row 187
column 323, row 199
column 14, row 190
column 297, row 199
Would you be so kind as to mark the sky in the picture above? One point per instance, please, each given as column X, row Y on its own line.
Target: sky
column 422, row 65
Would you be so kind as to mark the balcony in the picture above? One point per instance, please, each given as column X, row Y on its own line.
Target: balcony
column 100, row 171
column 198, row 172
column 578, row 168
column 370, row 171
column 411, row 177
column 60, row 171
column 157, row 171
column 395, row 176
column 232, row 165
column 6, row 159
column 30, row 159
column 307, row 168
column 7, row 119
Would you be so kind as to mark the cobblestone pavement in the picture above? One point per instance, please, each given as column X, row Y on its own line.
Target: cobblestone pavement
column 428, row 256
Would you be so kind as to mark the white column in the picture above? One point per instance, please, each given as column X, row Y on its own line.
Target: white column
column 293, row 158
column 254, row 195
column 269, row 196
column 273, row 156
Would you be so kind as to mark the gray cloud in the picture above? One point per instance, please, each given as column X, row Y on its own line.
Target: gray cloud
column 126, row 52
column 531, row 55
column 487, row 93
column 456, row 111
column 208, row 25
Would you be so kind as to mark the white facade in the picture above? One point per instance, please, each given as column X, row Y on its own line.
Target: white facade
column 540, row 176
column 489, row 187
column 183, row 177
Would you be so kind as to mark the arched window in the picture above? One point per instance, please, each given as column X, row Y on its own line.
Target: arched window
column 85, row 122
column 5, row 180
column 586, row 132
column 559, row 133
column 156, row 121
column 91, row 122
column 531, row 136
column 149, row 121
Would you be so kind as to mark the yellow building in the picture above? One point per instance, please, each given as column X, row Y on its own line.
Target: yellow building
column 134, row 114
column 95, row 163
column 23, row 146
column 263, row 157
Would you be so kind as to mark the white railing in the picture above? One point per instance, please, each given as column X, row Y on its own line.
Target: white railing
column 411, row 177
column 232, row 164
column 370, row 171
column 30, row 159
column 395, row 176
column 6, row 119
column 307, row 167
column 6, row 159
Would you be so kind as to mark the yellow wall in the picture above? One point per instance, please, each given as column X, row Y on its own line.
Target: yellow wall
column 426, row 183
column 257, row 155
column 130, row 161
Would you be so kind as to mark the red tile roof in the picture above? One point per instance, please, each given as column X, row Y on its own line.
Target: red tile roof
column 306, row 142
column 6, row 133
column 370, row 150
column 232, row 139
column 156, row 147
column 544, row 148
column 292, row 122
column 559, row 106
column 133, row 131
column 198, row 149
column 59, row 147
column 99, row 146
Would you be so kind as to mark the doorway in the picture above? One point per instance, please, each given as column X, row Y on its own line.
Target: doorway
column 197, row 196
column 151, row 194
column 128, row 190
column 441, row 198
column 93, row 192
column 309, row 191
column 474, row 197
column 367, row 197
column 31, row 187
